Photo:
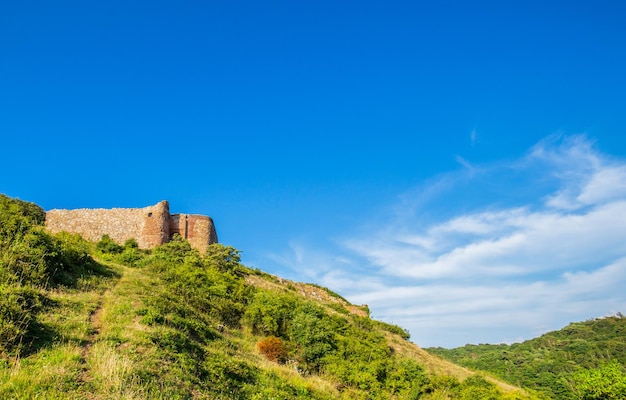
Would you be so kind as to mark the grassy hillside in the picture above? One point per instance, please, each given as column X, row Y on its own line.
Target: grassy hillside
column 556, row 362
column 104, row 321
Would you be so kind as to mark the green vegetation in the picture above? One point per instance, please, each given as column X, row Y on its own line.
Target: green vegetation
column 605, row 382
column 129, row 254
column 33, row 263
column 104, row 320
column 572, row 363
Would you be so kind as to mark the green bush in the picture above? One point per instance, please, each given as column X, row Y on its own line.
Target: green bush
column 130, row 256
column 18, row 217
column 224, row 259
column 338, row 307
column 406, row 379
column 131, row 244
column 32, row 260
column 313, row 332
column 269, row 313
column 607, row 382
column 176, row 251
column 107, row 245
column 69, row 260
column 477, row 387
column 395, row 329
column 24, row 261
column 18, row 310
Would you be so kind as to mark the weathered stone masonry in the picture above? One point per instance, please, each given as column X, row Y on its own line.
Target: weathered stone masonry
column 150, row 226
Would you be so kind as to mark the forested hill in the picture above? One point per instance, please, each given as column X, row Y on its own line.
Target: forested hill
column 83, row 320
column 558, row 363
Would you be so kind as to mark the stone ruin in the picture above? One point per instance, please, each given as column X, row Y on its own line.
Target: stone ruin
column 149, row 226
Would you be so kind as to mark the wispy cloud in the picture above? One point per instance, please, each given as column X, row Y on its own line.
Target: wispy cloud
column 545, row 260
column 464, row 163
column 502, row 253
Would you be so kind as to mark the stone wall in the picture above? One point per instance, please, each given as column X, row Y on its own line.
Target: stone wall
column 199, row 230
column 149, row 226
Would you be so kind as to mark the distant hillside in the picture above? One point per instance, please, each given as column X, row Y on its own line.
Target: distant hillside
column 553, row 363
column 83, row 320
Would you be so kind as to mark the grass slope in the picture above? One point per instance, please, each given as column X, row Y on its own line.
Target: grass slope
column 101, row 349
column 81, row 320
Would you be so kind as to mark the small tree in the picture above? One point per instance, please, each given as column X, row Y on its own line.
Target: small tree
column 223, row 258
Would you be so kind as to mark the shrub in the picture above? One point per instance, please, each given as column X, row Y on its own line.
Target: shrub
column 605, row 382
column 395, row 329
column 24, row 260
column 273, row 349
column 131, row 244
column 69, row 259
column 313, row 331
column 269, row 313
column 339, row 308
column 17, row 217
column 23, row 243
column 224, row 259
column 107, row 245
column 406, row 378
column 176, row 251
column 18, row 309
column 477, row 387
column 130, row 257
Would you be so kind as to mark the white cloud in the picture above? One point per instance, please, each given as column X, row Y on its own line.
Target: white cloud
column 497, row 312
column 304, row 263
column 604, row 185
column 518, row 242
column 507, row 250
column 498, row 271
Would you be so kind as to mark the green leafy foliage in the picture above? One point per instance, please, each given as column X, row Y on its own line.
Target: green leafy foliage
column 395, row 329
column 18, row 309
column 129, row 254
column 224, row 259
column 477, row 387
column 347, row 348
column 313, row 331
column 31, row 260
column 547, row 364
column 108, row 245
column 607, row 382
column 69, row 262
column 177, row 252
column 269, row 313
column 17, row 217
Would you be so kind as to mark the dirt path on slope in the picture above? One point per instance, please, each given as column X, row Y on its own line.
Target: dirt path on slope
column 95, row 326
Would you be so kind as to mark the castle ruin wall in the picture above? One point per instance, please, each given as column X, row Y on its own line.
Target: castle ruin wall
column 199, row 230
column 149, row 226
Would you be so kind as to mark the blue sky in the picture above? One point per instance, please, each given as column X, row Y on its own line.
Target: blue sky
column 460, row 167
